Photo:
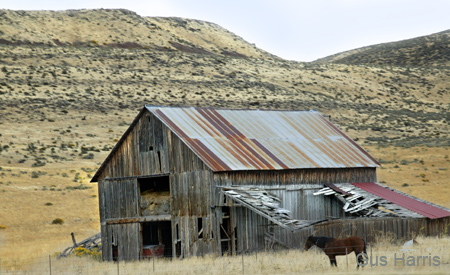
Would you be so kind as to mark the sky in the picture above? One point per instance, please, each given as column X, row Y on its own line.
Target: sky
column 300, row 30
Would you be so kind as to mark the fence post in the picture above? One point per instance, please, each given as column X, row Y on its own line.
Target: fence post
column 118, row 266
column 153, row 256
column 50, row 263
column 242, row 260
column 346, row 257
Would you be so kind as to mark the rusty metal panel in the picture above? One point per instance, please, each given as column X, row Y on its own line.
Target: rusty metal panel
column 233, row 140
column 407, row 202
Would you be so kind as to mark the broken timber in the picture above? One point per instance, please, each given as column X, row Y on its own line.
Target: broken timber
column 261, row 202
column 358, row 201
column 88, row 244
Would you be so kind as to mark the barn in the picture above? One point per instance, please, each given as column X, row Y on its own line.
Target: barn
column 192, row 181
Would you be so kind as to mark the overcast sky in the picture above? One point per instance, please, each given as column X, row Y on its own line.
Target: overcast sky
column 302, row 30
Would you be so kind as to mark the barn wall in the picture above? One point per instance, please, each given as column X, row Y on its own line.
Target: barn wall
column 295, row 188
column 150, row 148
column 119, row 199
column 296, row 176
column 191, row 192
column 369, row 228
column 144, row 151
column 251, row 229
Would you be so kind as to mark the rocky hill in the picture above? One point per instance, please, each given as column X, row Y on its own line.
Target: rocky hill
column 425, row 51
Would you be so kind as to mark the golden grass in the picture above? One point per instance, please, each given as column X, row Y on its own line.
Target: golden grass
column 284, row 262
column 420, row 171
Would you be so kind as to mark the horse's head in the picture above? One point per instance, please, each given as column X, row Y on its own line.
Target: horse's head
column 309, row 242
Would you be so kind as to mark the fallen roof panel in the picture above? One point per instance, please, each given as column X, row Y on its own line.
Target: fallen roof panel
column 264, row 204
column 420, row 207
column 361, row 202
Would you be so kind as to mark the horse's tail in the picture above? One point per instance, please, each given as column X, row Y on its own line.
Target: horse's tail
column 364, row 242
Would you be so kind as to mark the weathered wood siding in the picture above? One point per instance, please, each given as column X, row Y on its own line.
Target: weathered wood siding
column 191, row 192
column 295, row 188
column 150, row 148
column 369, row 228
column 144, row 151
column 119, row 199
column 295, row 176
column 250, row 230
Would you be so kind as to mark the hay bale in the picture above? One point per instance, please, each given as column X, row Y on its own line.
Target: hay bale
column 155, row 203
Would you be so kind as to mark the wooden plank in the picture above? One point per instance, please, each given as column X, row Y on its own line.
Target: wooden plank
column 138, row 177
column 138, row 219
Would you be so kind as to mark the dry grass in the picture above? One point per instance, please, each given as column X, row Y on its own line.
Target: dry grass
column 283, row 262
column 420, row 171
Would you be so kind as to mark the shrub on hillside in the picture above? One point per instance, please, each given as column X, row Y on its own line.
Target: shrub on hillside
column 58, row 221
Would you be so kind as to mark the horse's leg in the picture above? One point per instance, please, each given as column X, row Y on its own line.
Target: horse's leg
column 332, row 260
column 359, row 260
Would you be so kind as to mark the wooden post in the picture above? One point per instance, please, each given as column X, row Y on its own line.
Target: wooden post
column 242, row 260
column 73, row 240
column 50, row 263
column 346, row 257
column 159, row 233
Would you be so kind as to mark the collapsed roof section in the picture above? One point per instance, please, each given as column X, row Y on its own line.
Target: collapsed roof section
column 375, row 200
column 263, row 203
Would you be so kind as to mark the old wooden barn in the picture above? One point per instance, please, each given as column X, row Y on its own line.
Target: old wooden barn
column 198, row 181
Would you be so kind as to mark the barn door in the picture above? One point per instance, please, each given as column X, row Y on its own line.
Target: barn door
column 119, row 200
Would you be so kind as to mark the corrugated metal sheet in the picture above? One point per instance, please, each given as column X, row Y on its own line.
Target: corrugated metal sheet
column 231, row 140
column 407, row 202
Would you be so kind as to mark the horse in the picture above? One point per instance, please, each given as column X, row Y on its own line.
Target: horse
column 339, row 247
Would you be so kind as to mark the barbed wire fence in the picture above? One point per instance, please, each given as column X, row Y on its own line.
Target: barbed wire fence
column 426, row 257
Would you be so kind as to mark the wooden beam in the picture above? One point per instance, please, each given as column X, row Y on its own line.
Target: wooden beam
column 139, row 219
column 139, row 177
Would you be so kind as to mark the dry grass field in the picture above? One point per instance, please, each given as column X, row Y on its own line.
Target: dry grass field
column 71, row 83
column 410, row 260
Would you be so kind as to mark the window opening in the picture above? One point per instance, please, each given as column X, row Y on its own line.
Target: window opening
column 155, row 196
column 200, row 228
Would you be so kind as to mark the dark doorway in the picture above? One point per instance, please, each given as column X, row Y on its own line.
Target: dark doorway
column 157, row 234
column 228, row 234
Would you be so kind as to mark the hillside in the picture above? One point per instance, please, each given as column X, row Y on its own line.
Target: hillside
column 425, row 51
column 72, row 81
column 120, row 29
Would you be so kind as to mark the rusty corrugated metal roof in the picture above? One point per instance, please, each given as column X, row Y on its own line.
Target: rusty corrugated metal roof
column 415, row 205
column 230, row 140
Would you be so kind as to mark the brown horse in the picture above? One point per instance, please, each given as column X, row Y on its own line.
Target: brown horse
column 339, row 247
